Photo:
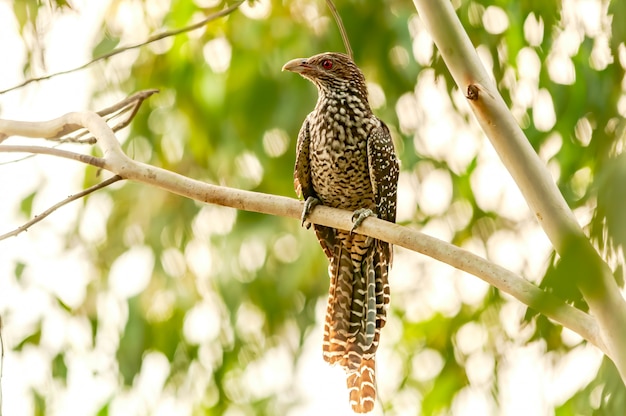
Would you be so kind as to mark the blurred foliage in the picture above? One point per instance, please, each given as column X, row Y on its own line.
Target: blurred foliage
column 234, row 122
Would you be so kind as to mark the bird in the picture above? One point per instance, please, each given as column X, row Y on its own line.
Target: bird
column 345, row 158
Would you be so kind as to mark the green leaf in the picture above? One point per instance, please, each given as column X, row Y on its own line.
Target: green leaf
column 26, row 206
column 106, row 45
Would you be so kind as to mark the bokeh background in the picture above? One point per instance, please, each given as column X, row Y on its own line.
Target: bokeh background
column 133, row 301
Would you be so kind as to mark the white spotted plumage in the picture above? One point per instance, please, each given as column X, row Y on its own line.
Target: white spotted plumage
column 346, row 159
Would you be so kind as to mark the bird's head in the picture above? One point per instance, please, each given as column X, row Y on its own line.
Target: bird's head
column 330, row 71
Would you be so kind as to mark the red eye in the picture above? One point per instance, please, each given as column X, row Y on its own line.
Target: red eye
column 327, row 64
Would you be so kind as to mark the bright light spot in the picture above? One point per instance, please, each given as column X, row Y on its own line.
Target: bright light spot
column 270, row 374
column 408, row 188
column 601, row 55
column 426, row 364
column 252, row 254
column 287, row 248
column 161, row 306
column 321, row 388
column 472, row 401
column 495, row 190
column 528, row 64
column 202, row 322
column 573, row 372
column 590, row 15
column 459, row 214
column 93, row 223
column 571, row 338
column 621, row 104
column 129, row 22
column 484, row 54
column 173, row 262
column 523, row 94
column 440, row 288
column 550, row 147
column 435, row 192
column 250, row 168
column 470, row 289
column 154, row 371
column 399, row 56
column 217, row 53
column 495, row 20
column 581, row 180
column 504, row 248
column 376, row 95
column 479, row 367
column 561, row 69
column 199, row 258
column 621, row 53
column 466, row 144
column 213, row 219
column 131, row 272
column 258, row 9
column 568, row 41
column 173, row 140
column 206, row 3
column 406, row 108
column 422, row 45
column 533, row 30
column 275, row 142
column 471, row 337
column 250, row 321
column 520, row 377
column 543, row 111
column 583, row 131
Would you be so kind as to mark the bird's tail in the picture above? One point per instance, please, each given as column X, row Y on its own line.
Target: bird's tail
column 356, row 312
column 362, row 386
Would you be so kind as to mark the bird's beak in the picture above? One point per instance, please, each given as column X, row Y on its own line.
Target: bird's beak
column 296, row 65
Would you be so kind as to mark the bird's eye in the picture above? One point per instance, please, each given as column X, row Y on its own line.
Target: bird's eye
column 327, row 64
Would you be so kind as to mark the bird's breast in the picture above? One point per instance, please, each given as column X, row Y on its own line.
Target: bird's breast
column 339, row 164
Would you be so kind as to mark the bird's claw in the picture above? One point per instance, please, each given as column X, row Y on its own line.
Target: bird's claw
column 309, row 204
column 359, row 216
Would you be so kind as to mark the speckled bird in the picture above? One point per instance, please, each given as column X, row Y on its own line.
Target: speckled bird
column 345, row 159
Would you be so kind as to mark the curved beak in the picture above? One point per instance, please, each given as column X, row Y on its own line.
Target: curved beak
column 297, row 65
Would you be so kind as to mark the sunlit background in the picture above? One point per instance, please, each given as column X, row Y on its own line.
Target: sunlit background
column 136, row 302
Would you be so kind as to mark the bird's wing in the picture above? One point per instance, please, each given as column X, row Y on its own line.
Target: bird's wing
column 384, row 170
column 302, row 170
column 304, row 187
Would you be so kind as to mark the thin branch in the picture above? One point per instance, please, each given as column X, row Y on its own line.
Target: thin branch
column 58, row 205
column 134, row 100
column 529, row 172
column 342, row 29
column 52, row 151
column 131, row 104
column 117, row 51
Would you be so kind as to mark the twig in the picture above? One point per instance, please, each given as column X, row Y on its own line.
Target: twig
column 58, row 205
column 134, row 100
column 528, row 171
column 131, row 104
column 117, row 51
column 53, row 151
column 342, row 29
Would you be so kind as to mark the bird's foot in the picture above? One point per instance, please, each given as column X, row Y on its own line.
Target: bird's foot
column 309, row 204
column 359, row 216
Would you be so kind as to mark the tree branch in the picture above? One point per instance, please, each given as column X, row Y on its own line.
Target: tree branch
column 58, row 205
column 529, row 172
column 118, row 163
column 117, row 51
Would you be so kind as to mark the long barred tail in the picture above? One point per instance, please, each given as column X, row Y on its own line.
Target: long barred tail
column 356, row 312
